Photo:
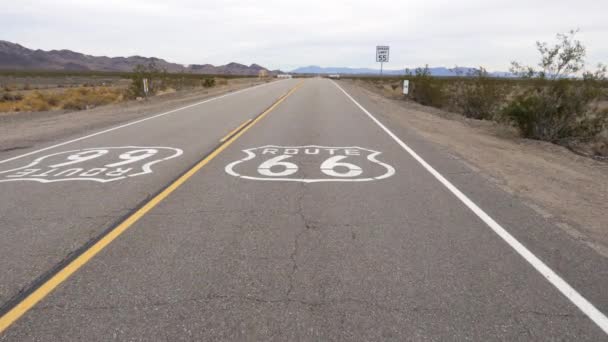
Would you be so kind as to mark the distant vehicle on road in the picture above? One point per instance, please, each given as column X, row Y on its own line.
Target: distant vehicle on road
column 336, row 76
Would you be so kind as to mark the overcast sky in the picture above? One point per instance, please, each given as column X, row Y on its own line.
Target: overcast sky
column 288, row 34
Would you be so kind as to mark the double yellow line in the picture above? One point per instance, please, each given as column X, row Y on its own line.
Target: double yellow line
column 64, row 273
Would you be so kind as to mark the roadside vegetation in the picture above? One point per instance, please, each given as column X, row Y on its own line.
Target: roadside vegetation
column 31, row 91
column 69, row 99
column 161, row 81
column 558, row 101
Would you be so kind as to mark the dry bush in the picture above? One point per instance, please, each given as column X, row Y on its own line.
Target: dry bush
column 155, row 76
column 209, row 82
column 426, row 89
column 84, row 98
column 478, row 97
column 558, row 107
column 70, row 99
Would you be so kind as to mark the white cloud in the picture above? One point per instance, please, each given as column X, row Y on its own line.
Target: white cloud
column 287, row 34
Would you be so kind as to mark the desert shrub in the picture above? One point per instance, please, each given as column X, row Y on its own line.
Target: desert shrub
column 70, row 99
column 427, row 90
column 83, row 98
column 156, row 80
column 9, row 97
column 76, row 103
column 221, row 81
column 557, row 106
column 50, row 98
column 480, row 96
column 555, row 110
column 209, row 82
column 34, row 102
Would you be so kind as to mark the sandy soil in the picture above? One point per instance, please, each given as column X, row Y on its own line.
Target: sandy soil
column 569, row 189
column 23, row 130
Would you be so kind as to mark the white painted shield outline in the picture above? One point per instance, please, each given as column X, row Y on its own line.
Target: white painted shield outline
column 146, row 167
column 371, row 157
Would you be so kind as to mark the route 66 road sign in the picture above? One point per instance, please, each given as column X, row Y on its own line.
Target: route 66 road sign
column 326, row 164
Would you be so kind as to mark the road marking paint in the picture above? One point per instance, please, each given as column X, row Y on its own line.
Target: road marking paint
column 98, row 164
column 235, row 130
column 568, row 291
column 133, row 123
column 287, row 158
column 64, row 273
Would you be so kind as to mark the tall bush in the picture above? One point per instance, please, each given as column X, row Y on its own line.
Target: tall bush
column 479, row 95
column 427, row 90
column 156, row 79
column 558, row 106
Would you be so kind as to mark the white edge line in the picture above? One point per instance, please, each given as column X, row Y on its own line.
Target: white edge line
column 568, row 291
column 133, row 122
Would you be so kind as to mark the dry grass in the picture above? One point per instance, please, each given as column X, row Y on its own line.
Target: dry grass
column 221, row 81
column 70, row 99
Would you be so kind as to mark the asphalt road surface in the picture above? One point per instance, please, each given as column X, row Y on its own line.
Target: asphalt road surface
column 289, row 211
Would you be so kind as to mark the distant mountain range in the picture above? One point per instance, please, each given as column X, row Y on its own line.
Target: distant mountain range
column 16, row 57
column 438, row 71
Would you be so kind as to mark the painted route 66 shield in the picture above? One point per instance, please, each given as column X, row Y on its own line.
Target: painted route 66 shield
column 309, row 164
column 101, row 164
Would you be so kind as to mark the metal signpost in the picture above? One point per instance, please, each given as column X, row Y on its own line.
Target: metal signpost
column 382, row 55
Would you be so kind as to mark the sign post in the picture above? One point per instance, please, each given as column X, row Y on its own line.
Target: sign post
column 382, row 55
column 146, row 89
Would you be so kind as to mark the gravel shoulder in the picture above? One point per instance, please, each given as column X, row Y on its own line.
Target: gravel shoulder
column 569, row 189
column 24, row 130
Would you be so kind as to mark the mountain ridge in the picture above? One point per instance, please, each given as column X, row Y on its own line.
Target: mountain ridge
column 14, row 56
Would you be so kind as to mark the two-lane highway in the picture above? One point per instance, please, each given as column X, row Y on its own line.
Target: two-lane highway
column 313, row 219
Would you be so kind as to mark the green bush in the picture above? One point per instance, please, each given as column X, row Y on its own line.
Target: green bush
column 427, row 90
column 479, row 97
column 558, row 106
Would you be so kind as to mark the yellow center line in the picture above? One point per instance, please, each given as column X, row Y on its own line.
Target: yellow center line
column 47, row 287
column 235, row 130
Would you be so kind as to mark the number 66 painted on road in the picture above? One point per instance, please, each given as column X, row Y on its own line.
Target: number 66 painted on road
column 328, row 167
column 283, row 164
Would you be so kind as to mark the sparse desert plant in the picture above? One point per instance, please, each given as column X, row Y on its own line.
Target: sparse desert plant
column 426, row 90
column 70, row 99
column 557, row 106
column 10, row 97
column 480, row 96
column 155, row 76
column 208, row 82
column 34, row 102
column 83, row 98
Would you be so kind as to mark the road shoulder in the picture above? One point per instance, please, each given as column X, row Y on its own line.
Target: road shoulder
column 24, row 130
column 559, row 185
